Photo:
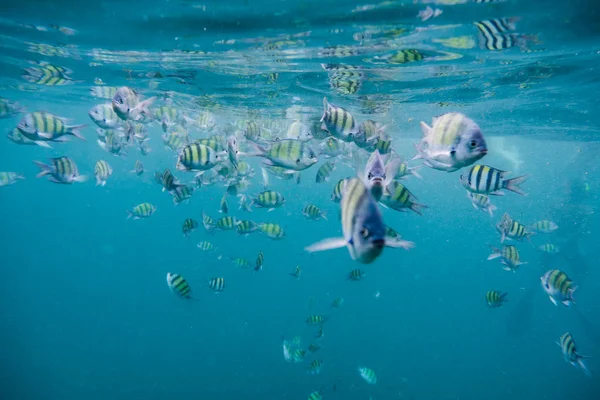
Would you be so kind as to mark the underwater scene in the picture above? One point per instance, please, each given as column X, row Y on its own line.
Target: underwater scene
column 299, row 199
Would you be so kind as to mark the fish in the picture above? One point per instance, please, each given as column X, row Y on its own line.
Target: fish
column 197, row 157
column 259, row 261
column 404, row 170
column 549, row 248
column 338, row 122
column 104, row 92
column 10, row 178
column 17, row 137
column 509, row 255
column 208, row 223
column 128, row 106
column 558, row 287
column 223, row 208
column 337, row 302
column 494, row 299
column 104, row 116
column 569, row 351
column 9, row 109
column 289, row 154
column 512, row 229
column 399, row 198
column 217, row 284
column 102, row 171
column 452, row 142
column 139, row 168
column 268, row 199
column 324, row 172
column 355, row 275
column 297, row 272
column 483, row 179
column 179, row 285
column 316, row 319
column 368, row 375
column 338, row 189
column 189, row 226
column 379, row 174
column 143, row 210
column 181, row 194
column 41, row 126
column 299, row 131
column 205, row 246
column 271, row 230
column 368, row 133
column 61, row 170
column 482, row 202
column 362, row 226
column 313, row 212
column 233, row 151
column 543, row 226
column 315, row 367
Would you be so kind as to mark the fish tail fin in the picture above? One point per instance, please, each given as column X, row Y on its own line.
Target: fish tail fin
column 583, row 366
column 513, row 184
column 491, row 210
column 418, row 208
column 129, row 214
column 413, row 171
column 503, row 297
column 495, row 252
column 45, row 169
column 75, row 131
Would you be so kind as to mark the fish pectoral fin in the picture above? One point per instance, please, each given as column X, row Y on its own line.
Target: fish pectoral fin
column 42, row 144
column 399, row 243
column 553, row 300
column 327, row 244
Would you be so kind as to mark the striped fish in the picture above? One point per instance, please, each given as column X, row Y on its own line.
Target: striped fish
column 297, row 272
column 452, row 142
column 482, row 202
column 289, row 154
column 569, row 351
column 544, row 226
column 182, row 194
column 559, row 287
column 338, row 121
column 495, row 299
column 227, row 223
column 399, row 198
column 483, row 179
column 272, row 230
column 42, row 126
column 197, row 157
column 338, row 189
column 549, row 248
column 217, row 284
column 8, row 108
column 355, row 275
column 405, row 56
column 208, row 223
column 143, row 210
column 497, row 34
column 9, row 178
column 17, row 137
column 48, row 75
column 269, row 199
column 316, row 395
column 316, row 319
column 325, row 171
column 104, row 92
column 368, row 375
column 128, row 106
column 102, row 171
column 510, row 257
column 315, row 367
column 368, row 133
column 313, row 212
column 362, row 226
column 246, row 227
column 189, row 226
column 179, row 286
column 259, row 261
column 205, row 246
column 61, row 170
column 512, row 229
column 139, row 168
column 104, row 116
column 240, row 262
column 332, row 147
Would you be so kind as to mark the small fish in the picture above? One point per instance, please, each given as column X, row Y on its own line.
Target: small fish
column 61, row 170
column 226, row 223
column 338, row 189
column 512, row 229
column 269, row 199
column 315, row 367
column 549, row 248
column 241, row 262
column 298, row 356
column 208, row 223
column 41, row 126
column 139, row 168
column 495, row 299
column 325, row 171
column 379, row 174
column 510, row 257
column 299, row 131
column 8, row 109
column 355, row 275
column 369, row 132
column 189, row 226
column 297, row 272
column 182, row 194
column 487, row 180
column 102, row 171
column 316, row 320
column 104, row 116
column 404, row 56
column 337, row 302
column 313, row 212
column 316, row 395
column 179, row 286
column 320, row 333
column 544, row 226
column 217, row 284
column 103, row 92
column 205, row 246
column 362, row 226
column 197, row 157
column 569, row 351
column 338, row 122
column 143, row 210
column 289, row 154
column 332, row 147
column 233, row 152
column 287, row 351
column 128, row 106
column 169, row 182
column 368, row 375
column 10, row 178
column 313, row 348
column 272, row 230
column 482, row 202
column 559, row 287
column 223, row 208
column 404, row 170
column 399, row 198
column 452, row 142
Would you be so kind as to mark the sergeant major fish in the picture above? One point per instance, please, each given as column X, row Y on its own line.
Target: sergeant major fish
column 569, row 351
column 338, row 121
column 488, row 180
column 127, row 104
column 452, row 142
column 559, row 287
column 41, row 126
column 362, row 226
column 61, row 170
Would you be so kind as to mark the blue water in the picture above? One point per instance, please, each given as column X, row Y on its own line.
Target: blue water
column 85, row 308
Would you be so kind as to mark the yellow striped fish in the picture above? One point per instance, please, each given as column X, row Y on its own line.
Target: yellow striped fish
column 217, row 284
column 488, row 180
column 289, row 154
column 61, row 170
column 143, row 210
column 102, row 171
column 569, row 351
column 9, row 178
column 338, row 121
column 197, row 157
column 179, row 286
column 495, row 299
column 272, row 230
column 42, row 126
column 559, row 287
column 510, row 257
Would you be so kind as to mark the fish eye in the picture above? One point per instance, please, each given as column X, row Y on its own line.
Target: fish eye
column 473, row 143
column 364, row 232
column 370, row 175
column 297, row 161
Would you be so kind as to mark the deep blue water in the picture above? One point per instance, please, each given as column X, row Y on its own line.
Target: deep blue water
column 85, row 308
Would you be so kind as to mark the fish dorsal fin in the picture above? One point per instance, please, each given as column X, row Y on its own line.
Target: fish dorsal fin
column 426, row 129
